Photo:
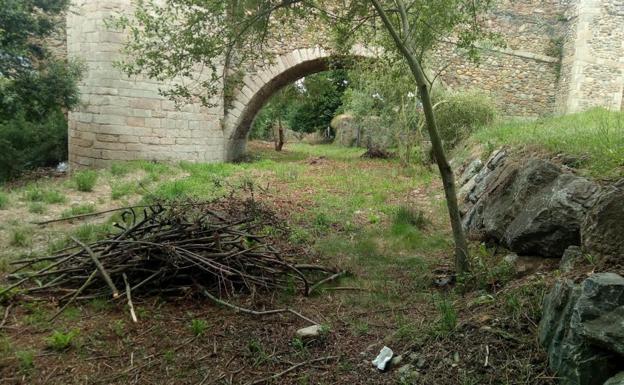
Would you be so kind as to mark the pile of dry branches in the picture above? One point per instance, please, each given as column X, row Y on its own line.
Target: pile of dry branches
column 217, row 247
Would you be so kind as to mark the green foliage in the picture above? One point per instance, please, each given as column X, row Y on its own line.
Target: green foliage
column 306, row 106
column 35, row 87
column 198, row 327
column 26, row 360
column 4, row 200
column 447, row 322
column 36, row 193
column 75, row 210
column 37, row 208
column 408, row 215
column 122, row 189
column 60, row 341
column 458, row 114
column 29, row 144
column 594, row 137
column 20, row 237
column 85, row 180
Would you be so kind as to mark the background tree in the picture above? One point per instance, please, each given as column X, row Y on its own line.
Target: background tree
column 36, row 88
column 170, row 39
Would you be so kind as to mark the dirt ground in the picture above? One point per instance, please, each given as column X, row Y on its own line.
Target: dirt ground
column 481, row 331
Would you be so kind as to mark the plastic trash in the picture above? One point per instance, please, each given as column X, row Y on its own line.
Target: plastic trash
column 384, row 357
column 62, row 167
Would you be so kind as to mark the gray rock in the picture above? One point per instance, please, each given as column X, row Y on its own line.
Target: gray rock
column 618, row 379
column 532, row 208
column 602, row 232
column 571, row 256
column 577, row 352
column 607, row 330
column 469, row 173
column 396, row 360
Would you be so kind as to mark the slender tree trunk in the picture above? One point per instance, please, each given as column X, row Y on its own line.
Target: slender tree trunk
column 279, row 140
column 462, row 264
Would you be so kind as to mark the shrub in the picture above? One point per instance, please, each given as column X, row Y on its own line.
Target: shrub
column 27, row 145
column 85, row 180
column 459, row 114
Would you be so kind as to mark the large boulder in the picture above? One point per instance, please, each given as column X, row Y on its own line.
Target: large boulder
column 602, row 232
column 346, row 130
column 618, row 379
column 532, row 208
column 578, row 351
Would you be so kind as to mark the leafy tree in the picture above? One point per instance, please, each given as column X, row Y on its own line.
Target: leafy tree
column 36, row 88
column 170, row 39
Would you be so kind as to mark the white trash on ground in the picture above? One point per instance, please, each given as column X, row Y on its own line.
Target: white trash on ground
column 384, row 357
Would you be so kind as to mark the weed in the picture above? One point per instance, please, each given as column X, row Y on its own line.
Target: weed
column 4, row 200
column 60, row 341
column 120, row 168
column 78, row 210
column 21, row 237
column 257, row 352
column 408, row 215
column 448, row 317
column 38, row 194
column 122, row 189
column 85, row 180
column 119, row 328
column 91, row 232
column 37, row 207
column 198, row 327
column 100, row 304
column 26, row 360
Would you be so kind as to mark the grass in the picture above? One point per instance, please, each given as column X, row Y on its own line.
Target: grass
column 122, row 189
column 37, row 207
column 20, row 237
column 78, row 210
column 38, row 194
column 60, row 341
column 85, row 180
column 4, row 200
column 198, row 327
column 595, row 137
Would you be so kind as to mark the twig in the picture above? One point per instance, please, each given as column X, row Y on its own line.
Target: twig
column 6, row 315
column 487, row 356
column 255, row 312
column 294, row 367
column 132, row 313
column 84, row 286
column 99, row 266
column 324, row 281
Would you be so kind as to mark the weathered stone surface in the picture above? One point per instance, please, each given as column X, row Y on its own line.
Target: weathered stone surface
column 571, row 256
column 618, row 379
column 533, row 208
column 471, row 170
column 578, row 352
column 602, row 232
column 607, row 330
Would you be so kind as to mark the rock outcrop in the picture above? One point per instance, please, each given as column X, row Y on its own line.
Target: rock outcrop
column 602, row 232
column 531, row 207
column 582, row 329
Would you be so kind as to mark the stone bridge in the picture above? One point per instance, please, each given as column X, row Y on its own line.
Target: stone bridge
column 562, row 56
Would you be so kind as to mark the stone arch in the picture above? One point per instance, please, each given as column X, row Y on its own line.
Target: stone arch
column 257, row 88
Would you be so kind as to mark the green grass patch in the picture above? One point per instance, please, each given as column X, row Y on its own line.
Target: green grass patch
column 37, row 207
column 75, row 210
column 20, row 237
column 60, row 341
column 122, row 189
column 595, row 137
column 85, row 180
column 4, row 200
column 39, row 194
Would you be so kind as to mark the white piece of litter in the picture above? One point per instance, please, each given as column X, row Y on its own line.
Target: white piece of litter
column 385, row 355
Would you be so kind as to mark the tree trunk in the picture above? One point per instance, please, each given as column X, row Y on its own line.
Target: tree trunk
column 462, row 264
column 279, row 140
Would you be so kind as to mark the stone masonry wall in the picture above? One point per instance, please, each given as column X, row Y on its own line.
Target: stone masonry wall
column 593, row 66
column 126, row 119
column 522, row 76
column 563, row 55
